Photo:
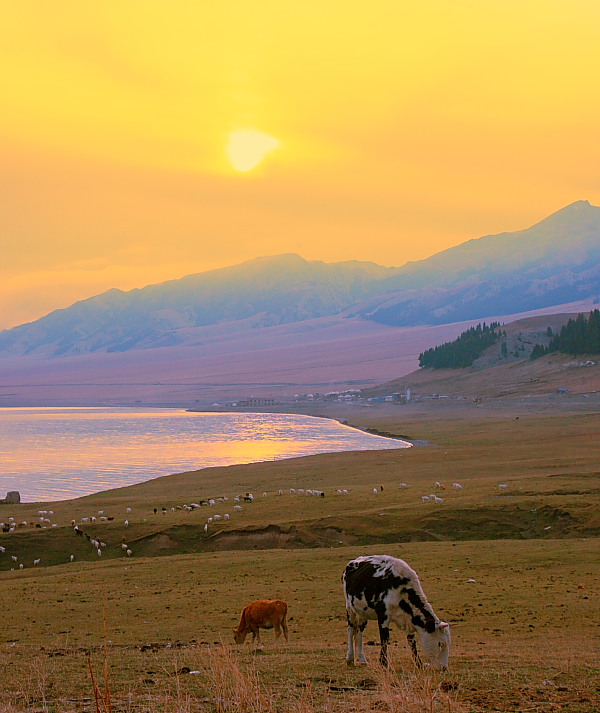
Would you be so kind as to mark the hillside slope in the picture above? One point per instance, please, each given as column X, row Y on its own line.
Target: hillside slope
column 554, row 262
column 557, row 260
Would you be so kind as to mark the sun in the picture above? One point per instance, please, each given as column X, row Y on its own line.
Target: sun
column 247, row 148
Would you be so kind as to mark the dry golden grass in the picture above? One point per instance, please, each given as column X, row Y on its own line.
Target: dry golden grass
column 528, row 636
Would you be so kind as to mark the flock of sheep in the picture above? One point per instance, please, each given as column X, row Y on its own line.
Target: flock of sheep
column 45, row 516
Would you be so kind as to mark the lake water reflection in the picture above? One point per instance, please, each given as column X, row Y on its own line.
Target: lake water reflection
column 59, row 453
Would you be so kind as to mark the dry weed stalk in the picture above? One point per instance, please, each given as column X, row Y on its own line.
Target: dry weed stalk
column 420, row 691
column 102, row 700
column 229, row 685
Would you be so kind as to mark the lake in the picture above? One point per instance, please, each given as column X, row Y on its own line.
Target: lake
column 60, row 453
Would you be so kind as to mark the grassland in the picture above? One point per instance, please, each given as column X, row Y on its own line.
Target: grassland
column 528, row 629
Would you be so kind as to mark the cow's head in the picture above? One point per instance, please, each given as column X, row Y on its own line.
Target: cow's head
column 436, row 645
column 239, row 636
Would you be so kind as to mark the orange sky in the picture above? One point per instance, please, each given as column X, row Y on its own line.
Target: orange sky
column 403, row 129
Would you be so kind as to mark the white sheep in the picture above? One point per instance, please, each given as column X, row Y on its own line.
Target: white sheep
column 126, row 523
column 503, row 486
column 206, row 527
column 72, row 558
column 292, row 491
column 36, row 562
column 128, row 510
column 129, row 553
column 237, row 507
column 226, row 516
column 404, row 485
column 457, row 486
column 425, row 498
column 99, row 552
column 375, row 491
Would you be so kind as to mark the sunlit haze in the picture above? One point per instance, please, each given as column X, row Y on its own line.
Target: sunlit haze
column 142, row 141
column 246, row 149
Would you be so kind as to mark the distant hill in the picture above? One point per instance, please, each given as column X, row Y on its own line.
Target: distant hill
column 554, row 262
column 263, row 292
column 496, row 375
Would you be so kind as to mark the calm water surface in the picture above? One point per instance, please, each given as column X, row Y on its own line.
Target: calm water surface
column 59, row 453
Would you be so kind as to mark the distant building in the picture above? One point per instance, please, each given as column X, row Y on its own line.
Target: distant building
column 256, row 402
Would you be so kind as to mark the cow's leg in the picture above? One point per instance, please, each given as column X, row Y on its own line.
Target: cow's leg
column 277, row 632
column 412, row 642
column 351, row 637
column 285, row 629
column 384, row 633
column 360, row 653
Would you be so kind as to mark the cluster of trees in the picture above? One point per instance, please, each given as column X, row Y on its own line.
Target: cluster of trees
column 578, row 336
column 464, row 349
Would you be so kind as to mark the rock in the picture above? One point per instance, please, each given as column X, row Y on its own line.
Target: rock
column 13, row 497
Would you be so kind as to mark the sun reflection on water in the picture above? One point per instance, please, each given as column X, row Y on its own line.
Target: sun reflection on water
column 57, row 453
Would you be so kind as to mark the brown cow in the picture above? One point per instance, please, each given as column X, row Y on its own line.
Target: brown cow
column 263, row 614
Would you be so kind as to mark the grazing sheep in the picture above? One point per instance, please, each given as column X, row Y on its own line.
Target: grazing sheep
column 425, row 498
column 129, row 553
column 457, row 486
column 237, row 507
column 404, row 485
column 375, row 491
column 503, row 486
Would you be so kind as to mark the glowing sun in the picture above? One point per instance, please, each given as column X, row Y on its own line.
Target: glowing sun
column 246, row 149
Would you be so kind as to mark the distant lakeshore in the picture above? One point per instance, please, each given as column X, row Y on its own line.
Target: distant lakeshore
column 61, row 453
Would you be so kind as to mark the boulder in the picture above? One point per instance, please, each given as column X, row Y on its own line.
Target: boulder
column 13, row 497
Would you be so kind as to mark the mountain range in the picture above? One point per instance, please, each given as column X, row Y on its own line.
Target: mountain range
column 553, row 262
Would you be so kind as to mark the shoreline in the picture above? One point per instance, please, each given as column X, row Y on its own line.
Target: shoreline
column 50, row 497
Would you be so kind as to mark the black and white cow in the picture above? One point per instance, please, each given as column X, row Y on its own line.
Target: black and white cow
column 386, row 589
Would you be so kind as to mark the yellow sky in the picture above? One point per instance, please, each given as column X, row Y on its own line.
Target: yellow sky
column 404, row 128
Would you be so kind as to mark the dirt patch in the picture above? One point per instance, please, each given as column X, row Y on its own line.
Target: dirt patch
column 265, row 538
